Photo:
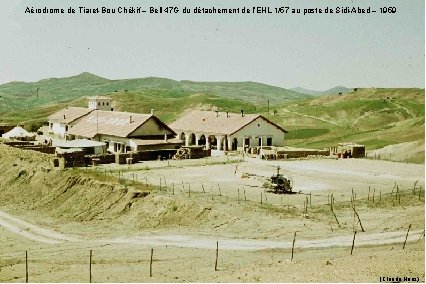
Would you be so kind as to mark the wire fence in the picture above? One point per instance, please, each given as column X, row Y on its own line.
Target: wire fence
column 118, row 263
column 258, row 194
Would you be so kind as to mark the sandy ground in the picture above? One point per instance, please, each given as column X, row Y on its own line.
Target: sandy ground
column 255, row 229
column 69, row 262
column 317, row 177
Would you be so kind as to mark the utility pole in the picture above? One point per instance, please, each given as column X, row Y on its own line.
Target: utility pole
column 268, row 109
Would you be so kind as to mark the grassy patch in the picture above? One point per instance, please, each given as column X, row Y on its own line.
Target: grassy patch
column 306, row 133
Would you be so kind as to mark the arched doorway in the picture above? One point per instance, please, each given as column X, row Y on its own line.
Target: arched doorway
column 192, row 139
column 214, row 143
column 202, row 140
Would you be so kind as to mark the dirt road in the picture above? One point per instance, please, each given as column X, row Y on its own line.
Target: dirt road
column 49, row 236
column 31, row 231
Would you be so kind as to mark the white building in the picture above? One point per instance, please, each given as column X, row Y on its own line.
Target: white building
column 100, row 102
column 60, row 122
column 124, row 131
column 227, row 131
column 120, row 131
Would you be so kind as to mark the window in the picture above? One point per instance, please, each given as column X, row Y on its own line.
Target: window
column 247, row 141
column 103, row 103
column 66, row 127
column 269, row 141
column 260, row 141
column 107, row 103
column 99, row 103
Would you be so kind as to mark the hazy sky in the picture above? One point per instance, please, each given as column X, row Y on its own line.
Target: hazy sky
column 313, row 51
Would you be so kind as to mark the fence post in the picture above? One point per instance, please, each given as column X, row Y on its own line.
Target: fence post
column 306, row 209
column 397, row 192
column 26, row 266
column 292, row 247
column 217, row 255
column 406, row 236
column 90, row 267
column 353, row 242
column 150, row 263
column 374, row 192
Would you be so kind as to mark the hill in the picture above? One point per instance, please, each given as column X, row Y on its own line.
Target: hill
column 21, row 95
column 373, row 117
column 333, row 91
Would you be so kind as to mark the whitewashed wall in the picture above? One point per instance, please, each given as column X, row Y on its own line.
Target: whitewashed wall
column 260, row 128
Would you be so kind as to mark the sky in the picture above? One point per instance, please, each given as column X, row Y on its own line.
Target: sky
column 314, row 51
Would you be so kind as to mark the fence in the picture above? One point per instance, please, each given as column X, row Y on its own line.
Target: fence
column 109, row 261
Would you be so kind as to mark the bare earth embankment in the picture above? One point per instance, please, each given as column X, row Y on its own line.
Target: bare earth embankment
column 181, row 208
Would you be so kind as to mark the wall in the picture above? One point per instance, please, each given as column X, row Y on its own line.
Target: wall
column 58, row 129
column 303, row 153
column 112, row 139
column 159, row 147
column 103, row 159
column 265, row 129
column 80, row 159
column 151, row 127
column 148, row 155
column 25, row 145
column 5, row 128
column 75, row 159
column 105, row 104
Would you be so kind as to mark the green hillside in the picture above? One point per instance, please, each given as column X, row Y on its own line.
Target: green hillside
column 373, row 117
column 333, row 91
column 20, row 95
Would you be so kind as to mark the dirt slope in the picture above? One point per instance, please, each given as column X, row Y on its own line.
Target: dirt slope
column 402, row 152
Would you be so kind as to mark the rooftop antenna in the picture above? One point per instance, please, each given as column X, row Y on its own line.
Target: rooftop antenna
column 97, row 118
column 97, row 122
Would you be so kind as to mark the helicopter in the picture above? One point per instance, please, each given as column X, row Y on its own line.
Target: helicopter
column 279, row 183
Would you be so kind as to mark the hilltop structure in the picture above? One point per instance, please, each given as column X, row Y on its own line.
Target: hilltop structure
column 225, row 131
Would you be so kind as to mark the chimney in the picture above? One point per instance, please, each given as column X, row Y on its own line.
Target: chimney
column 217, row 113
column 227, row 113
column 131, row 119
column 152, row 111
column 242, row 113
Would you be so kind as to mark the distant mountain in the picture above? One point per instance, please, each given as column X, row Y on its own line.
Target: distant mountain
column 332, row 91
column 20, row 95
